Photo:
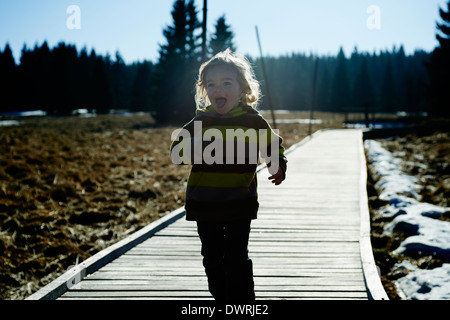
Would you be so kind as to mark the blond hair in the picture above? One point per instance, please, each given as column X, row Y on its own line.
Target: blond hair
column 245, row 77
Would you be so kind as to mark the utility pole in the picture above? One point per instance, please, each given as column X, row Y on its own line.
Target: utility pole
column 205, row 11
column 265, row 80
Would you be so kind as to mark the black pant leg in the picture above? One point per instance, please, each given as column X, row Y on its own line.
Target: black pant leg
column 212, row 237
column 238, row 265
column 225, row 257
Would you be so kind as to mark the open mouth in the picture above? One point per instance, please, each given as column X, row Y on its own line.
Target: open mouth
column 220, row 102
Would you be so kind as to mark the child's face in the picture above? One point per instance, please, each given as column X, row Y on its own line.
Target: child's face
column 223, row 88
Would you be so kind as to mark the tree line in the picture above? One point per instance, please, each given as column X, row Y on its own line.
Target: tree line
column 381, row 82
column 61, row 79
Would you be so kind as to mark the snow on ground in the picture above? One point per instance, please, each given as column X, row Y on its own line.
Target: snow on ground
column 428, row 235
column 425, row 284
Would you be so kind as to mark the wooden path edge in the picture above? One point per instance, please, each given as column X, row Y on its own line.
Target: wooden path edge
column 372, row 280
column 375, row 289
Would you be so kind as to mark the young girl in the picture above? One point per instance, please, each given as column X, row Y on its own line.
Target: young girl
column 221, row 195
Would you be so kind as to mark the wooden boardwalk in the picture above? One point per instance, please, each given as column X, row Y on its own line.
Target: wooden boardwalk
column 311, row 239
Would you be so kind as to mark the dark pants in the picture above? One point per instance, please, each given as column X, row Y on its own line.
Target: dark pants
column 225, row 258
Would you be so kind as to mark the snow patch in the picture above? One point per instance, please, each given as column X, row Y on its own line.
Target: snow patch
column 426, row 235
column 425, row 284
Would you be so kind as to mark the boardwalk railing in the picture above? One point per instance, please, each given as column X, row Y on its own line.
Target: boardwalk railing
column 325, row 246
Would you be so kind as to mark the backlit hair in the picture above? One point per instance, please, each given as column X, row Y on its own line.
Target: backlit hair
column 245, row 77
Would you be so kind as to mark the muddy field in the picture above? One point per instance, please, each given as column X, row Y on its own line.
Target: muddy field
column 70, row 187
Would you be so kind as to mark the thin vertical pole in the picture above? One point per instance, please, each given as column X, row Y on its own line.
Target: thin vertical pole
column 204, row 26
column 265, row 79
column 313, row 98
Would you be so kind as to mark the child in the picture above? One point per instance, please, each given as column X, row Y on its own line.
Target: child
column 221, row 194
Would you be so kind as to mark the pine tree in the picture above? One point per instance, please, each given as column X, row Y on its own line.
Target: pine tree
column 340, row 99
column 323, row 86
column 86, row 68
column 444, row 28
column 177, row 66
column 192, row 38
column 439, row 69
column 62, row 80
column 222, row 38
column 141, row 99
column 102, row 94
column 8, row 80
column 25, row 85
column 174, row 52
column 388, row 99
column 121, row 82
column 399, row 58
column 41, row 83
column 363, row 95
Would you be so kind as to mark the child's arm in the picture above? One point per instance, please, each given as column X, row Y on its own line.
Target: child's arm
column 276, row 164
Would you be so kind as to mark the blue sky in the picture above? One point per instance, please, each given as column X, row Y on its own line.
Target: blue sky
column 134, row 27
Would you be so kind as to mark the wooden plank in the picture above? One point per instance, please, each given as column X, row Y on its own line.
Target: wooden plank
column 136, row 294
column 267, row 243
column 181, row 280
column 254, row 251
column 196, row 286
column 284, row 233
column 293, row 269
column 257, row 239
column 205, row 294
column 274, row 273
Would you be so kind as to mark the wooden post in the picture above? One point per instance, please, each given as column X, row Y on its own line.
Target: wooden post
column 204, row 26
column 366, row 114
column 269, row 98
column 313, row 98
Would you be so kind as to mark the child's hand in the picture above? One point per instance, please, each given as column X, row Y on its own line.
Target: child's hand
column 278, row 177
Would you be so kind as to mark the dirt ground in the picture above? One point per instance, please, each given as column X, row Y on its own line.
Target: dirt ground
column 70, row 187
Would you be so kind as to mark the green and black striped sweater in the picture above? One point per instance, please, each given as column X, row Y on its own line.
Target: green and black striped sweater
column 223, row 151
